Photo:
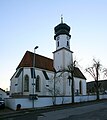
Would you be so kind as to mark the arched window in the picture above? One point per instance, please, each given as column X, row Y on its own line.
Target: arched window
column 26, row 83
column 58, row 44
column 67, row 43
column 38, row 83
column 80, row 87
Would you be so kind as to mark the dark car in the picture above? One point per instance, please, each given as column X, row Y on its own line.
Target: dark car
column 2, row 104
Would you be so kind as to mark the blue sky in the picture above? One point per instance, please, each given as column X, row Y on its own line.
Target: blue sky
column 27, row 23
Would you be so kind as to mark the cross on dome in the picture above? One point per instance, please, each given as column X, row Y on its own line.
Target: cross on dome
column 61, row 18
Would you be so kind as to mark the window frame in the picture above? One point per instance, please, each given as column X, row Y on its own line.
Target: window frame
column 37, row 86
column 26, row 83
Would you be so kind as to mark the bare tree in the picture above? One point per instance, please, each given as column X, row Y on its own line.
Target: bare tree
column 105, row 72
column 70, row 69
column 51, row 91
column 54, row 90
column 94, row 71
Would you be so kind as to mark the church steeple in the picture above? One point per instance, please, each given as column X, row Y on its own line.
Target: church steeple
column 62, row 55
column 62, row 35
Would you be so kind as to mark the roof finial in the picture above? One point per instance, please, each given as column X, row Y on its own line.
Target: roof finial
column 61, row 18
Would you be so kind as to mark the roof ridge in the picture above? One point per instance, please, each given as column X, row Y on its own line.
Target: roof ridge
column 39, row 55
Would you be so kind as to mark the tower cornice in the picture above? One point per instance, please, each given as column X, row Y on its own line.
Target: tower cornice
column 62, row 49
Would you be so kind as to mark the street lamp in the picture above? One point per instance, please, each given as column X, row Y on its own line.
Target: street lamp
column 34, row 76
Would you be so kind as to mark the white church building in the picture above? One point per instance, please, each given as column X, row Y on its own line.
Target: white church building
column 40, row 75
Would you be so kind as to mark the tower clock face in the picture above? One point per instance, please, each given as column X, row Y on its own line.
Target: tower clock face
column 67, row 37
column 58, row 38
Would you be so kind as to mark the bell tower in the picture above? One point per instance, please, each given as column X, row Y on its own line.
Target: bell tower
column 63, row 54
column 62, row 35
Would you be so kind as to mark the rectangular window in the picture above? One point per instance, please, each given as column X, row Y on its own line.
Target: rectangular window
column 45, row 74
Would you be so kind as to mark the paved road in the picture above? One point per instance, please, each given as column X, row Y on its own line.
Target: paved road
column 93, row 115
column 89, row 112
column 79, row 112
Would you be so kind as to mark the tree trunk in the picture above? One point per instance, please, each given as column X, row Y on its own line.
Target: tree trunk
column 97, row 90
column 72, row 88
column 54, row 90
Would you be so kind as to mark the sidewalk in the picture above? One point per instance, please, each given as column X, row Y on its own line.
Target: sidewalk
column 6, row 110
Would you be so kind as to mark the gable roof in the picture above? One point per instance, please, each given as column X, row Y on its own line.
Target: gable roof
column 2, row 90
column 78, row 73
column 43, row 63
column 40, row 61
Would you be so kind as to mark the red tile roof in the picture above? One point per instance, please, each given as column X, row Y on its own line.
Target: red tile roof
column 40, row 61
column 43, row 63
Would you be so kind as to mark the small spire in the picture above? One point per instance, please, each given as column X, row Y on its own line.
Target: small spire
column 61, row 18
